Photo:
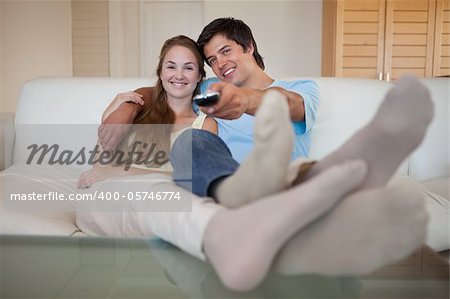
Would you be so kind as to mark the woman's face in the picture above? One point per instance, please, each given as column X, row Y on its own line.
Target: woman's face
column 180, row 73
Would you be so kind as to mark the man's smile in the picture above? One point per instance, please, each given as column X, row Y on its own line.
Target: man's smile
column 228, row 71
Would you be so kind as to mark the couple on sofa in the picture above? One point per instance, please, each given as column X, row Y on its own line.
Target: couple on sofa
column 269, row 213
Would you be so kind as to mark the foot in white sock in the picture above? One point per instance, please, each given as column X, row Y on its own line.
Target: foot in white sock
column 367, row 230
column 263, row 172
column 242, row 243
column 396, row 130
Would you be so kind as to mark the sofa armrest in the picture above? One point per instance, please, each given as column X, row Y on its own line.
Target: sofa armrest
column 6, row 140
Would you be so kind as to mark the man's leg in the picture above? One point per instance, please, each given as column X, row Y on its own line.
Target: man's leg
column 334, row 243
column 203, row 157
column 242, row 243
column 393, row 124
column 214, row 171
column 264, row 170
column 396, row 130
column 368, row 229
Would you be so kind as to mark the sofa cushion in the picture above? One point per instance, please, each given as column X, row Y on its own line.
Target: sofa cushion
column 6, row 139
column 49, row 223
column 431, row 159
column 439, row 186
column 346, row 104
column 438, row 209
column 76, row 103
column 37, row 217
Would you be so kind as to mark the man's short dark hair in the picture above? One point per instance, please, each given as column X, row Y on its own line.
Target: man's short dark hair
column 232, row 29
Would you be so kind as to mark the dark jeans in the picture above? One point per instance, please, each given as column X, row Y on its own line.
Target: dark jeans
column 210, row 156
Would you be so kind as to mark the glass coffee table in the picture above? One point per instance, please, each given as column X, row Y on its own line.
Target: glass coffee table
column 69, row 267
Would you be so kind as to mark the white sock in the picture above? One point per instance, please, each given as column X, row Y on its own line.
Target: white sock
column 263, row 172
column 367, row 230
column 242, row 243
column 396, row 130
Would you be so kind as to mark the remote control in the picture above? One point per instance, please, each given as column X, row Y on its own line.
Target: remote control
column 208, row 99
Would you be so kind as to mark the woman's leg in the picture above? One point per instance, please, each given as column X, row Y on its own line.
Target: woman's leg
column 182, row 226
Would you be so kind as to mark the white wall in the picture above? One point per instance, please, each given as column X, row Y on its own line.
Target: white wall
column 90, row 38
column 124, row 38
column 163, row 20
column 35, row 42
column 288, row 33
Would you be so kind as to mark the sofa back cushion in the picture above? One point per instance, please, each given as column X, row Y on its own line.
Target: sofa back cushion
column 431, row 160
column 346, row 105
column 65, row 111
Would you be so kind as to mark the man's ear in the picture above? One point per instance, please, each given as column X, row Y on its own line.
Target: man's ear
column 250, row 48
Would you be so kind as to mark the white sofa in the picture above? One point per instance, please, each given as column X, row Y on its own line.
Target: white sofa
column 346, row 104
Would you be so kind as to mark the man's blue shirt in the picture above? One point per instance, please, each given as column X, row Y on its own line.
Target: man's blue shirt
column 238, row 133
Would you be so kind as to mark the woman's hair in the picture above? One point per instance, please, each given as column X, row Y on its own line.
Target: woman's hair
column 233, row 29
column 157, row 115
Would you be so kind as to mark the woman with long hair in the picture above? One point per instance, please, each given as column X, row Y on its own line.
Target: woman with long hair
column 168, row 108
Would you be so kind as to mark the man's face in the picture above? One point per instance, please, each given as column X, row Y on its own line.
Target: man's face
column 228, row 60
